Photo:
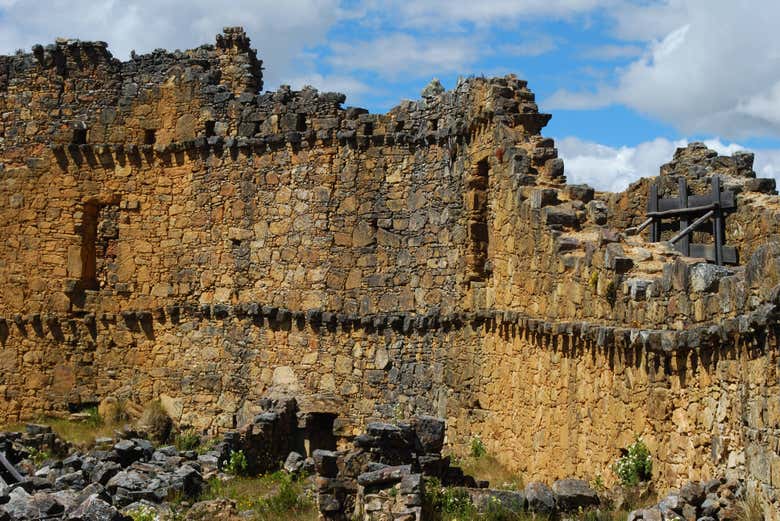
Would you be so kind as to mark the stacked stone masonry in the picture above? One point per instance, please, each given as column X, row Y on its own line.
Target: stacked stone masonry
column 170, row 232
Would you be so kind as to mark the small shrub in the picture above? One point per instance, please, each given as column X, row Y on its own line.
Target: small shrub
column 143, row 513
column 114, row 410
column 187, row 440
column 237, row 464
column 594, row 280
column 635, row 466
column 156, row 422
column 288, row 498
column 478, row 449
column 750, row 508
column 38, row 456
column 93, row 420
column 598, row 483
column 447, row 503
column 272, row 497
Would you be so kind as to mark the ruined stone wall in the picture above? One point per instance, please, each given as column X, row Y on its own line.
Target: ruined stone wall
column 561, row 405
column 173, row 234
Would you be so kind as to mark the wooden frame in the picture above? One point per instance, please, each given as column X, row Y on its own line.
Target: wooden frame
column 691, row 212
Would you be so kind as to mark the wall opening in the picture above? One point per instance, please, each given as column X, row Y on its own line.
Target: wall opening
column 99, row 241
column 79, row 136
column 477, row 184
column 300, row 123
column 88, row 252
column 319, row 432
column 150, row 136
column 210, row 128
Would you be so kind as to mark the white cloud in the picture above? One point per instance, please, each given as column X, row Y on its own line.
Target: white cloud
column 328, row 83
column 612, row 52
column 395, row 54
column 438, row 13
column 614, row 168
column 713, row 67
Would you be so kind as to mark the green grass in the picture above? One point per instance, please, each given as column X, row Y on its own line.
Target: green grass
column 79, row 433
column 488, row 468
column 273, row 497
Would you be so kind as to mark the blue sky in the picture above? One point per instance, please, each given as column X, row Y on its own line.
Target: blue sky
column 627, row 81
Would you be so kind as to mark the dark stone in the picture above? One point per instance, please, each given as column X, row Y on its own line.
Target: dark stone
column 429, row 433
column 509, row 500
column 384, row 476
column 328, row 503
column 561, row 216
column 539, row 497
column 70, row 480
column 127, row 452
column 95, row 509
column 294, row 462
column 692, row 493
column 710, row 506
column 187, row 480
column 544, row 197
column 326, row 463
column 582, row 193
column 571, row 494
column 670, row 505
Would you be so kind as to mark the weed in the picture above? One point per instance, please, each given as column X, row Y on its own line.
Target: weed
column 478, row 448
column 598, row 483
column 446, row 503
column 273, row 497
column 237, row 464
column 115, row 411
column 751, row 508
column 636, row 465
column 288, row 498
column 488, row 468
column 93, row 420
column 594, row 280
column 602, row 515
column 187, row 440
column 206, row 446
column 157, row 422
column 143, row 513
column 38, row 456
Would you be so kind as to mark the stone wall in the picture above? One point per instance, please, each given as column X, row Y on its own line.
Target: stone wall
column 172, row 234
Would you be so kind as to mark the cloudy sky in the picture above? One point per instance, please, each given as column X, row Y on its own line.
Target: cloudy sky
column 627, row 81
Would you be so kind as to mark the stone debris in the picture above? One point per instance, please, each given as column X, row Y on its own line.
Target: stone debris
column 712, row 500
column 95, row 485
column 385, row 475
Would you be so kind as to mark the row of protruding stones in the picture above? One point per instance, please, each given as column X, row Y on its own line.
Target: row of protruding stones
column 306, row 118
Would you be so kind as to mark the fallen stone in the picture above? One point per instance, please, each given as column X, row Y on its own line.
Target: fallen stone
column 326, row 463
column 692, row 493
column 95, row 509
column 572, row 494
column 384, row 476
column 539, row 497
column 429, row 433
column 705, row 277
column 293, row 463
column 484, row 499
